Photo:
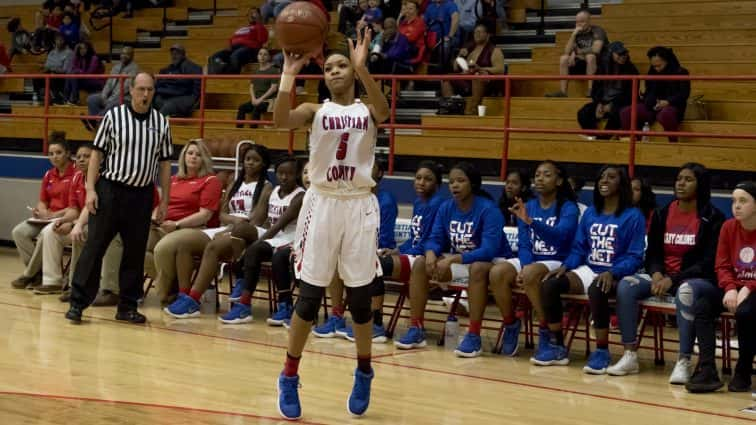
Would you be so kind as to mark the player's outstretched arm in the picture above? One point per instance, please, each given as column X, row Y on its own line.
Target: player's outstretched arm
column 283, row 115
column 358, row 54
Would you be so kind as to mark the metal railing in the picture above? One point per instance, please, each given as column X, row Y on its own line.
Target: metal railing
column 506, row 129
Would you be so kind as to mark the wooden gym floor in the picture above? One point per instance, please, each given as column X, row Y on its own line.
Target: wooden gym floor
column 199, row 371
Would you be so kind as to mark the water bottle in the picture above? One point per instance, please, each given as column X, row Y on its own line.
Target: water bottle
column 451, row 333
column 35, row 100
column 646, row 129
column 207, row 302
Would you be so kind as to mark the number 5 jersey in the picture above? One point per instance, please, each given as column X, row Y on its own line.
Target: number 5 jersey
column 342, row 148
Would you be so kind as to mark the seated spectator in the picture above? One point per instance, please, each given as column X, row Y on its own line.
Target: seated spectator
column 663, row 101
column 110, row 95
column 244, row 45
column 350, row 13
column 21, row 39
column 5, row 62
column 193, row 204
column 71, row 229
column 53, row 200
column 483, row 58
column 736, row 272
column 546, row 227
column 582, row 51
column 85, row 61
column 608, row 246
column 609, row 97
column 471, row 225
column 392, row 51
column 261, row 90
column 516, row 185
column 277, row 232
column 48, row 24
column 442, row 19
column 70, row 30
column 58, row 61
column 373, row 14
column 244, row 207
column 173, row 97
column 644, row 198
column 469, row 13
column 679, row 262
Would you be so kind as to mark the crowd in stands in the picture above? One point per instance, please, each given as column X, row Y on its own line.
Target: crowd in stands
column 622, row 247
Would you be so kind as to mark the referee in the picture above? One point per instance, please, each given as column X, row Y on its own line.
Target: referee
column 132, row 146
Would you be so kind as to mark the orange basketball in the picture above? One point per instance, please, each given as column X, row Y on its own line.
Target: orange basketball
column 301, row 28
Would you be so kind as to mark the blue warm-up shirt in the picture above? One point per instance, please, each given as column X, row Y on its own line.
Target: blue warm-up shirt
column 423, row 213
column 605, row 242
column 549, row 237
column 477, row 234
column 389, row 211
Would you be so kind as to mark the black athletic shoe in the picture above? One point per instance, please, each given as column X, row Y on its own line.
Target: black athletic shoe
column 739, row 383
column 131, row 316
column 704, row 380
column 74, row 315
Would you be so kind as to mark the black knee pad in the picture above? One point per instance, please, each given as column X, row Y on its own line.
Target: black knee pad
column 377, row 287
column 308, row 301
column 359, row 304
column 387, row 265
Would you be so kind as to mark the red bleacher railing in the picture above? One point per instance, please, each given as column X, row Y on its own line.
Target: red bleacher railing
column 391, row 126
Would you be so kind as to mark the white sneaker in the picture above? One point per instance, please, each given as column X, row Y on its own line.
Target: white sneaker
column 681, row 373
column 627, row 365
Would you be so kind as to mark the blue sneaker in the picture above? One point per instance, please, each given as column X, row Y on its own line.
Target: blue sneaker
column 287, row 323
column 183, row 308
column 283, row 312
column 288, row 397
column 511, row 339
column 469, row 347
column 598, row 362
column 342, row 330
column 239, row 313
column 359, row 399
column 237, row 290
column 328, row 329
column 414, row 338
column 553, row 355
column 379, row 334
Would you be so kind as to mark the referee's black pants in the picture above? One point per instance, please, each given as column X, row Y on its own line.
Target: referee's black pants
column 124, row 210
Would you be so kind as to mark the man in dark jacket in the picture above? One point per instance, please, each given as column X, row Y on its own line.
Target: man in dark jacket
column 177, row 97
column 609, row 97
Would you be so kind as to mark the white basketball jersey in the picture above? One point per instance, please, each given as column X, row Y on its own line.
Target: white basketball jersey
column 277, row 206
column 342, row 148
column 241, row 203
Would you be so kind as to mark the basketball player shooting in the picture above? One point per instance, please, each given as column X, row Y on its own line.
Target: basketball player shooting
column 338, row 223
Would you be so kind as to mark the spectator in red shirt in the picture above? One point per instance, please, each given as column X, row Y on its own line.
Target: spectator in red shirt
column 5, row 63
column 53, row 200
column 736, row 271
column 244, row 45
column 194, row 204
column 71, row 229
column 411, row 24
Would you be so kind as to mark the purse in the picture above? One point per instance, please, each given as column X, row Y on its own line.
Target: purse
column 451, row 106
column 696, row 109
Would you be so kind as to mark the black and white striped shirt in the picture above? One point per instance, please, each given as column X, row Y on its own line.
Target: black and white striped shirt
column 133, row 144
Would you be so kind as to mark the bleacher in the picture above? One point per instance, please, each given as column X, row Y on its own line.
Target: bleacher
column 710, row 38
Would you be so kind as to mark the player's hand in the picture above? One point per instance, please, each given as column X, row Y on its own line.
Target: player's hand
column 293, row 63
column 571, row 60
column 519, row 280
column 92, row 201
column 555, row 273
column 443, row 267
column 518, row 209
column 168, row 226
column 605, row 281
column 743, row 294
column 358, row 52
column 430, row 264
column 730, row 300
column 77, row 233
column 661, row 286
